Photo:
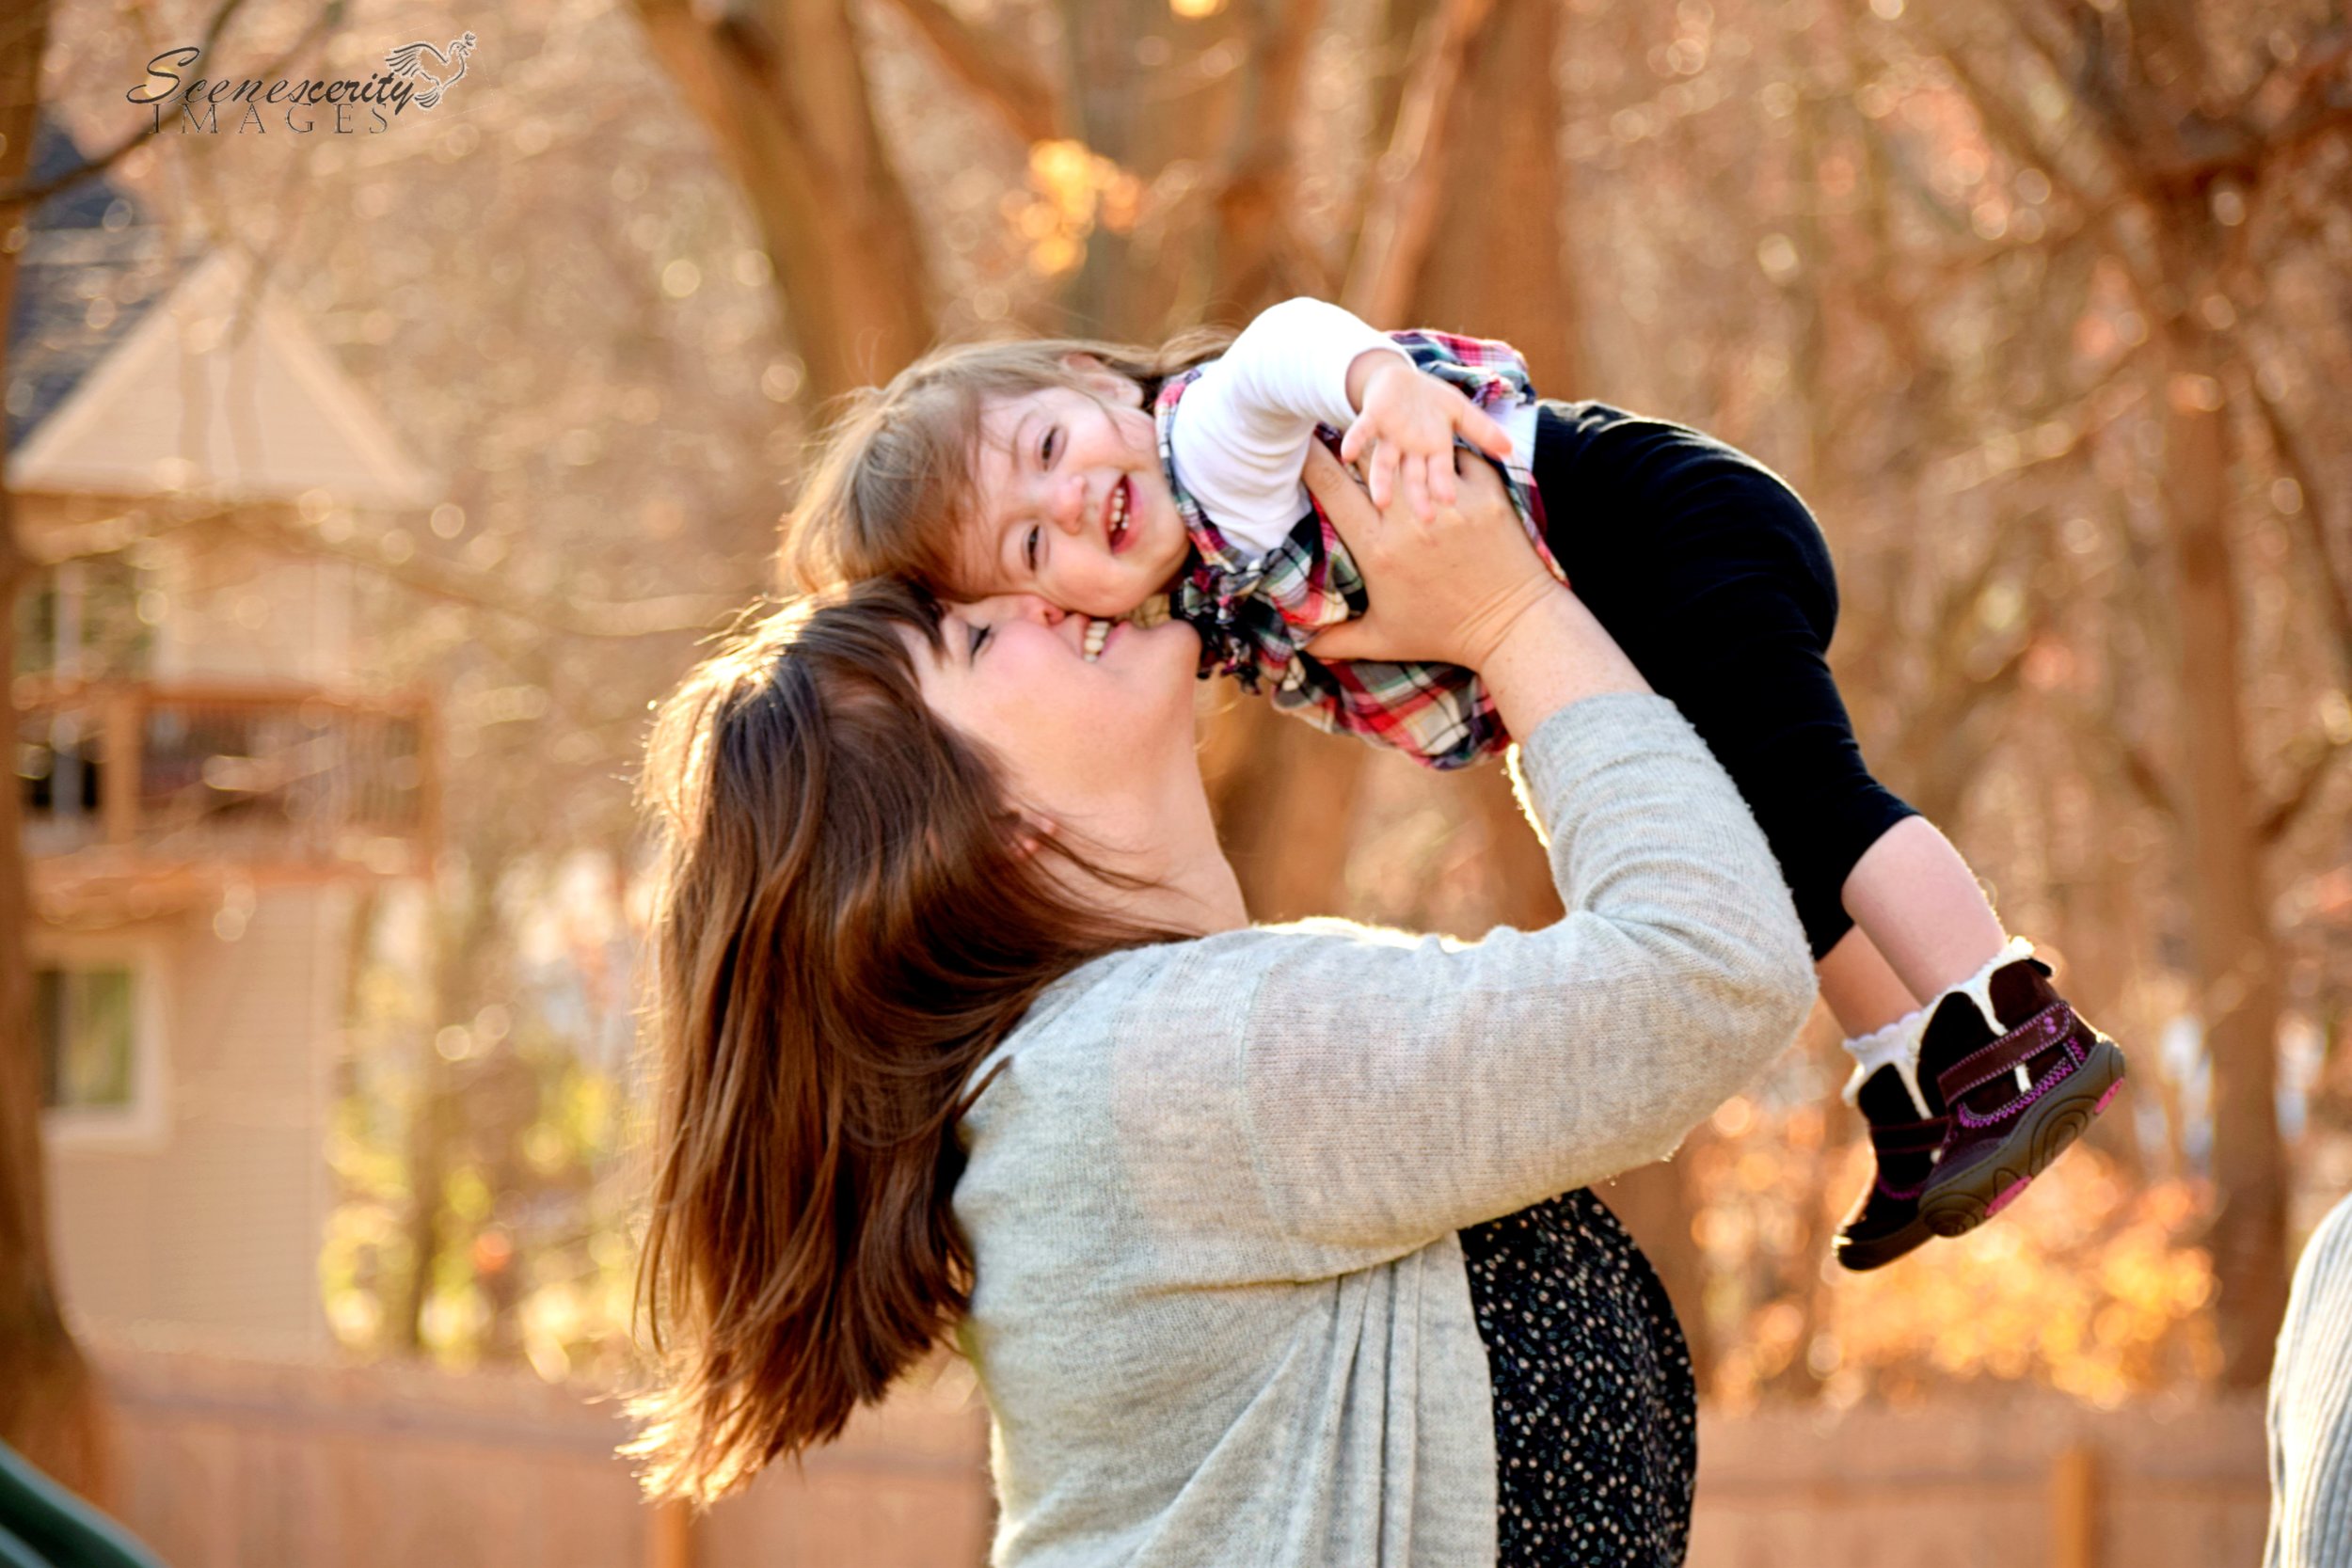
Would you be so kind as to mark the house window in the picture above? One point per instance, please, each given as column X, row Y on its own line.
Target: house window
column 87, row 1023
column 77, row 621
column 85, row 619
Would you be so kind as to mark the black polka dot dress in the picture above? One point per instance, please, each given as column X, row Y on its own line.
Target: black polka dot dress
column 1596, row 1413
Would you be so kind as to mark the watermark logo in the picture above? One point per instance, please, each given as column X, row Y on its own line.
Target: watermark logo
column 408, row 61
column 416, row 75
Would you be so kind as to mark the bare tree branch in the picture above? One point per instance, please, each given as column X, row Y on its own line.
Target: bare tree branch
column 784, row 95
column 2290, row 81
column 1401, row 218
column 1940, row 740
column 449, row 580
column 2336, row 595
column 2044, row 35
column 2154, row 147
column 1025, row 102
column 1947, row 744
column 2141, row 769
column 1259, row 254
column 2092, row 410
column 2283, row 813
column 2010, row 128
column 2243, row 150
column 2141, row 773
column 2316, row 97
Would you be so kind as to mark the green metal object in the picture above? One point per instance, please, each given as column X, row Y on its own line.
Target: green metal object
column 44, row 1526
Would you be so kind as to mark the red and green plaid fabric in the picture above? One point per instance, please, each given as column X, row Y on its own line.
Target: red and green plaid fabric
column 1254, row 617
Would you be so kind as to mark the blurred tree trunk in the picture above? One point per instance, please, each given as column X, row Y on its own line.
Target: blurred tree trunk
column 49, row 1398
column 1260, row 257
column 1416, row 129
column 782, row 88
column 1286, row 803
column 2148, row 102
column 1141, row 285
column 1496, row 261
column 1492, row 263
column 2229, row 935
column 502, row 1104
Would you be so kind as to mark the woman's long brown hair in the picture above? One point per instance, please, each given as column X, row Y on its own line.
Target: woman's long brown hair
column 848, row 916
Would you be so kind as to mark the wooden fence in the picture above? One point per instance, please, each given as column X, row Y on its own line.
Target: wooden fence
column 233, row 1464
column 2022, row 1483
column 237, row 1463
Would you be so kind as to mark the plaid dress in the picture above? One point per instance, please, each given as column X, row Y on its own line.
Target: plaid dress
column 1254, row 616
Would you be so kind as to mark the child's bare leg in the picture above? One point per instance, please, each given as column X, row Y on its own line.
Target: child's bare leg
column 1859, row 985
column 1921, row 907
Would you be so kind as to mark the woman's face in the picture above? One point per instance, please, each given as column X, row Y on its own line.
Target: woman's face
column 1092, row 741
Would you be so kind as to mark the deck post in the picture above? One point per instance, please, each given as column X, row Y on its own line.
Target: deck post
column 670, row 1542
column 124, row 731
column 2074, row 1507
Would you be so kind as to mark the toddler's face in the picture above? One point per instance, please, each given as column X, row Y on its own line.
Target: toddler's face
column 1072, row 504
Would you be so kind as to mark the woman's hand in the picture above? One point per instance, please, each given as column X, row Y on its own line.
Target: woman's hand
column 1447, row 589
column 1467, row 588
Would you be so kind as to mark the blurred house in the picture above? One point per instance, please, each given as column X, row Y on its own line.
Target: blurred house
column 205, row 776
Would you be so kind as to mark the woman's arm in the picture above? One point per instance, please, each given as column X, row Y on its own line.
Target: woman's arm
column 1393, row 1088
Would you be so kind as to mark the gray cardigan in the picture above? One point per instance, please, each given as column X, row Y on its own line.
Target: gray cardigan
column 1221, row 1312
column 2311, row 1408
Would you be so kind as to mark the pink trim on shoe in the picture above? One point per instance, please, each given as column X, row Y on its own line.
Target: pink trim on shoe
column 2008, row 1196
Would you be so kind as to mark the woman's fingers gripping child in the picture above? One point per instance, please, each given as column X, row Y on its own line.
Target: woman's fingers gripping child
column 1442, row 589
column 1408, row 422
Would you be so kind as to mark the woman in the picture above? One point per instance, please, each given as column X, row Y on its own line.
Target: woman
column 1250, row 1234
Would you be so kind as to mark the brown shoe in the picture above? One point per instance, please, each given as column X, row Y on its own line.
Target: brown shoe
column 2012, row 1103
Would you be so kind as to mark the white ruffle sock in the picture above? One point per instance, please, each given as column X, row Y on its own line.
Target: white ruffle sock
column 1897, row 1044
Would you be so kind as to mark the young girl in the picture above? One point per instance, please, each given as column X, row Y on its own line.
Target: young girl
column 1114, row 480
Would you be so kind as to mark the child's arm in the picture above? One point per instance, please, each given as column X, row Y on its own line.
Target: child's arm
column 1242, row 432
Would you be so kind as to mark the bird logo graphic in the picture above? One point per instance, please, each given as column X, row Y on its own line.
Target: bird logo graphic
column 409, row 60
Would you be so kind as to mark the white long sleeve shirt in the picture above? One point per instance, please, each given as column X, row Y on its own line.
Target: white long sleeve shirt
column 1240, row 437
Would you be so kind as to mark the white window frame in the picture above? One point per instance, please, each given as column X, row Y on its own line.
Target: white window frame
column 144, row 1123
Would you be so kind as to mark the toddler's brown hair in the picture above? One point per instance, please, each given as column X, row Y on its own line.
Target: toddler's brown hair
column 895, row 479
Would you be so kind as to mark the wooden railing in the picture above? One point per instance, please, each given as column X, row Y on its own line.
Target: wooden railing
column 139, row 779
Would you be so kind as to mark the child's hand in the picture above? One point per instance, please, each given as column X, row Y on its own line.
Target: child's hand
column 1408, row 423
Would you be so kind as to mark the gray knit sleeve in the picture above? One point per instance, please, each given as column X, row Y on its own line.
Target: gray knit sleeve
column 1394, row 1088
column 2311, row 1408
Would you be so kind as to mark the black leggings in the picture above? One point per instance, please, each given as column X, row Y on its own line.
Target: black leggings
column 1714, row 579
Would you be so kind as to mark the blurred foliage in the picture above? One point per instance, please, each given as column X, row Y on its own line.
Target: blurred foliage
column 2094, row 1289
